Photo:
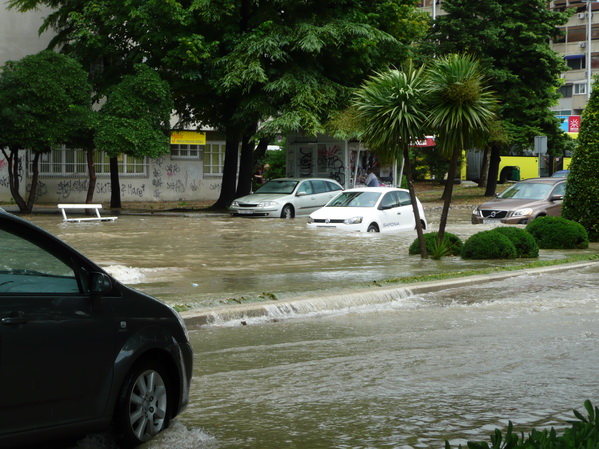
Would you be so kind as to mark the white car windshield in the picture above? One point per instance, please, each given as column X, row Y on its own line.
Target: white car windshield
column 355, row 199
column 276, row 186
column 527, row 191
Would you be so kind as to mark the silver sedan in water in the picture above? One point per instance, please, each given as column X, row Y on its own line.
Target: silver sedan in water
column 287, row 197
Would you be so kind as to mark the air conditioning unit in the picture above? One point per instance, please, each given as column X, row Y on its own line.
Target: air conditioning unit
column 581, row 15
column 582, row 44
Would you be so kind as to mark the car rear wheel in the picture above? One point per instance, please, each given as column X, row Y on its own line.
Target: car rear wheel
column 373, row 228
column 144, row 404
column 287, row 211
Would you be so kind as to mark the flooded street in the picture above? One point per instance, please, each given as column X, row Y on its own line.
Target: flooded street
column 411, row 372
column 202, row 261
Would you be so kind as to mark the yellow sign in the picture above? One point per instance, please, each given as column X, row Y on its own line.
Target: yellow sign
column 188, row 138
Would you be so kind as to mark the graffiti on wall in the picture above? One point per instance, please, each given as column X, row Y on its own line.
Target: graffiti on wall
column 330, row 162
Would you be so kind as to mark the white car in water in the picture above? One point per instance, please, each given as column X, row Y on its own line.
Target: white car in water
column 287, row 197
column 369, row 209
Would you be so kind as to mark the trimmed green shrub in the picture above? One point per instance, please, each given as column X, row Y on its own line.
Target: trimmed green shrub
column 525, row 243
column 453, row 242
column 558, row 233
column 583, row 433
column 489, row 245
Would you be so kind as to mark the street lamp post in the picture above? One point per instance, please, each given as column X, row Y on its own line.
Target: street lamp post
column 589, row 32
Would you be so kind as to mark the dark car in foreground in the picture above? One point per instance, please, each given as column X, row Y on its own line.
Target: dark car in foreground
column 523, row 201
column 80, row 352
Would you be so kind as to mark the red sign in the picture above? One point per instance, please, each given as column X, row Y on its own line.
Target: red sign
column 574, row 123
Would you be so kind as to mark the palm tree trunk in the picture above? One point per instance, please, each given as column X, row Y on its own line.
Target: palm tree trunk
column 421, row 242
column 447, row 194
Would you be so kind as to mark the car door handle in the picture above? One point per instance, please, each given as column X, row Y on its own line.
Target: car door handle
column 13, row 320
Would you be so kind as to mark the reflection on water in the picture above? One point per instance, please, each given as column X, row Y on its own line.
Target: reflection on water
column 203, row 261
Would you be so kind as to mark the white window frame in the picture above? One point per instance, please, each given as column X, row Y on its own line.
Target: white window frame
column 186, row 152
column 580, row 89
column 68, row 162
column 214, row 158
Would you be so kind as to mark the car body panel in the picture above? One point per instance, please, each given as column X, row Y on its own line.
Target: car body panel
column 305, row 195
column 387, row 208
column 65, row 349
column 523, row 202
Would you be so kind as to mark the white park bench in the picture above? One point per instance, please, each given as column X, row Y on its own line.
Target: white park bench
column 96, row 207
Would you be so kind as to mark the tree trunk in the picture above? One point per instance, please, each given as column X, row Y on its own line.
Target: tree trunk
column 261, row 148
column 12, row 159
column 91, row 168
column 33, row 190
column 447, row 195
column 421, row 241
column 246, row 168
column 484, row 168
column 229, row 180
column 115, row 184
column 493, row 171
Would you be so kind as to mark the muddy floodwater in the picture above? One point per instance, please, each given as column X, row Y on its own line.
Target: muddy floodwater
column 411, row 372
column 204, row 261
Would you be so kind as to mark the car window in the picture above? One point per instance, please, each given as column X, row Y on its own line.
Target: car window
column 319, row 186
column 332, row 187
column 27, row 268
column 305, row 188
column 527, row 191
column 404, row 198
column 390, row 200
column 278, row 186
column 560, row 189
column 355, row 199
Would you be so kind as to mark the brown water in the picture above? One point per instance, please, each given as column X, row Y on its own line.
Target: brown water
column 411, row 372
column 202, row 261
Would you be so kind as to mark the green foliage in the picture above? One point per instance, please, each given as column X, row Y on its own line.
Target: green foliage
column 582, row 193
column 277, row 162
column 451, row 246
column 525, row 243
column 505, row 35
column 45, row 98
column 583, row 433
column 558, row 233
column 489, row 245
column 135, row 119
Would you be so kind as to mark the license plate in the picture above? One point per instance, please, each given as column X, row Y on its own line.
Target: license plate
column 245, row 211
column 491, row 221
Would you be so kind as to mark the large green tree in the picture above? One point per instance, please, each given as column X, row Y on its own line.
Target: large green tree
column 135, row 120
column 248, row 68
column 511, row 39
column 45, row 100
column 582, row 193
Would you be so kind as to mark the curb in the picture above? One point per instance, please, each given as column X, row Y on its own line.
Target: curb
column 378, row 295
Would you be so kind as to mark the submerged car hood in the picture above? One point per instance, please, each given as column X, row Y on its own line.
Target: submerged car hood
column 511, row 204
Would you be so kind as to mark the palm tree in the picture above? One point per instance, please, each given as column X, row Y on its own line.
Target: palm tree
column 392, row 108
column 462, row 109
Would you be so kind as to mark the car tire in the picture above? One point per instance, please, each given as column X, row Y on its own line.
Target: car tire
column 144, row 405
column 287, row 211
column 372, row 227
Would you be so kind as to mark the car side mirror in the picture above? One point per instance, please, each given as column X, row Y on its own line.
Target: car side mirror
column 99, row 283
column 301, row 194
column 556, row 198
